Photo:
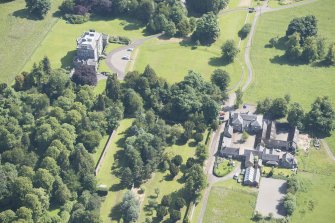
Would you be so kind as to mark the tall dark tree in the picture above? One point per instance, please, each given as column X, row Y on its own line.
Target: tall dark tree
column 133, row 103
column 296, row 116
column 221, row 79
column 113, row 88
column 204, row 6
column 38, row 7
column 305, row 26
column 229, row 51
column 85, row 75
column 130, row 207
column 330, row 57
column 320, row 120
column 208, row 30
column 195, row 181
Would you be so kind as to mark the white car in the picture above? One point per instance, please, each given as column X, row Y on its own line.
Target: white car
column 126, row 58
column 130, row 49
column 278, row 150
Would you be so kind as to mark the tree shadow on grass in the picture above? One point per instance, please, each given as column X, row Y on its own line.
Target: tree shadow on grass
column 192, row 144
column 187, row 42
column 67, row 60
column 117, row 187
column 57, row 14
column 24, row 14
column 283, row 60
column 280, row 45
column 322, row 63
column 115, row 213
column 132, row 26
column 218, row 62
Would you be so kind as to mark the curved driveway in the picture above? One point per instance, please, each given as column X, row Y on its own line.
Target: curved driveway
column 114, row 59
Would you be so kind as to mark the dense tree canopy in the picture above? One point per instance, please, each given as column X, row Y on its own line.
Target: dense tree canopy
column 38, row 8
column 204, row 6
column 320, row 120
column 305, row 26
column 229, row 51
column 207, row 30
column 85, row 75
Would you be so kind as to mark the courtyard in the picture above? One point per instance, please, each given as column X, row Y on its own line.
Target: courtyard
column 271, row 192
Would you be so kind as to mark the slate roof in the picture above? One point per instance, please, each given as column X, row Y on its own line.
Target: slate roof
column 270, row 157
column 247, row 119
column 289, row 158
column 228, row 130
column 230, row 151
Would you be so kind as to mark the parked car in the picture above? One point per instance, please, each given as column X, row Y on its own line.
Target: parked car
column 252, row 10
column 239, row 180
column 278, row 150
column 235, row 176
column 130, row 49
column 244, row 106
column 316, row 143
column 243, row 171
column 126, row 58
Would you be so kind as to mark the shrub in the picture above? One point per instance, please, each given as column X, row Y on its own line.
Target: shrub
column 222, row 169
column 180, row 203
column 229, row 50
column 166, row 200
column 76, row 19
column 198, row 137
column 175, row 215
column 289, row 203
column 274, row 41
column 119, row 39
column 177, row 160
column 245, row 30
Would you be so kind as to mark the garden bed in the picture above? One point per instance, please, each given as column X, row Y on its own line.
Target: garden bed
column 222, row 167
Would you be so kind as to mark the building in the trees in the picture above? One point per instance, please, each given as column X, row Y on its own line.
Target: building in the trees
column 273, row 141
column 90, row 46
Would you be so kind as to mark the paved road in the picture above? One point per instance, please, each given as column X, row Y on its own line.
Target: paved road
column 114, row 59
column 328, row 150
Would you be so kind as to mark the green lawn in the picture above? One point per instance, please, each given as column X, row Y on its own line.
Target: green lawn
column 274, row 77
column 97, row 153
column 277, row 171
column 315, row 202
column 100, row 88
column 172, row 60
column 106, row 177
column 223, row 168
column 230, row 202
column 60, row 44
column 20, row 36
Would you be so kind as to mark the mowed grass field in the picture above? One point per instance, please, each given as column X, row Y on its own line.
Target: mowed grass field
column 20, row 36
column 275, row 78
column 106, row 177
column 230, row 202
column 172, row 59
column 60, row 44
column 315, row 201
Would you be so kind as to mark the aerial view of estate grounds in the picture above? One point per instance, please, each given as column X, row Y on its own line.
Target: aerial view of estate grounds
column 188, row 111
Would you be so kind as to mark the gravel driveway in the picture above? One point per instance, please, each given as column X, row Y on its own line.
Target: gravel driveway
column 271, row 192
